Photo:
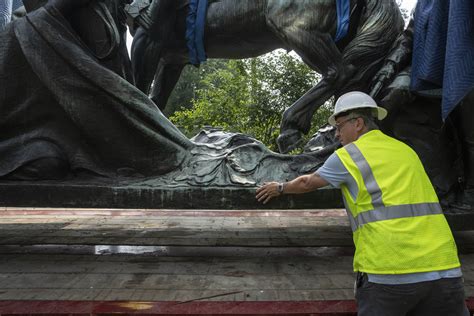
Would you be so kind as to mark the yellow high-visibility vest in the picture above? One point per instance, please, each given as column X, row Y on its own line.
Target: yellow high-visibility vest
column 398, row 225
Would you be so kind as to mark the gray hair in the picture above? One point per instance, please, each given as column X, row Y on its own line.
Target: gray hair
column 366, row 114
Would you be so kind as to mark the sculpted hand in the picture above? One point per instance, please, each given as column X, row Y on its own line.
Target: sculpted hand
column 267, row 191
column 383, row 77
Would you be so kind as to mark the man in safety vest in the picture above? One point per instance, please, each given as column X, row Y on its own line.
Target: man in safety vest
column 406, row 258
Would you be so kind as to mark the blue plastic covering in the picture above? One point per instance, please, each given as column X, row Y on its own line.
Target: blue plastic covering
column 16, row 4
column 6, row 9
column 195, row 22
column 343, row 15
column 443, row 50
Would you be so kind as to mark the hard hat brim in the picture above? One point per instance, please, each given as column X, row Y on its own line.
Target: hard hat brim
column 381, row 113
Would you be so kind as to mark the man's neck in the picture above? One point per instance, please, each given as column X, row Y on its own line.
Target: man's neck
column 362, row 132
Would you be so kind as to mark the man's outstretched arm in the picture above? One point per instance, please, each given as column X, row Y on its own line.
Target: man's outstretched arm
column 302, row 184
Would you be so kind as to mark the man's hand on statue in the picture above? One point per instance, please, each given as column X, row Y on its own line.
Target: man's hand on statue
column 267, row 191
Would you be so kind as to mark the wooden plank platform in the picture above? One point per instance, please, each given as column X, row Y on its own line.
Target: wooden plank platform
column 102, row 261
column 174, row 227
column 140, row 278
column 120, row 277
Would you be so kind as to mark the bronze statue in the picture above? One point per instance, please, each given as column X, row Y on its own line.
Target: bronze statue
column 69, row 108
column 69, row 111
column 248, row 28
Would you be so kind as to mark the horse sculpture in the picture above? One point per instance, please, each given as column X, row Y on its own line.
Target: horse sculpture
column 249, row 28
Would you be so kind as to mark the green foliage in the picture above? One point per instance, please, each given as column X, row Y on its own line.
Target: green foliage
column 250, row 96
column 190, row 81
column 219, row 102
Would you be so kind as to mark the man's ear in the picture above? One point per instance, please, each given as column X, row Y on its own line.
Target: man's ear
column 360, row 124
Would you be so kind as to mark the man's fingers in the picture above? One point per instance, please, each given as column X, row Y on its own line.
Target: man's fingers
column 264, row 197
column 260, row 193
column 267, row 199
column 263, row 189
column 265, row 193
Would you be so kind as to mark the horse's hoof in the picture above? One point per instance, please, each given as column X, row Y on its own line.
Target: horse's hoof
column 288, row 140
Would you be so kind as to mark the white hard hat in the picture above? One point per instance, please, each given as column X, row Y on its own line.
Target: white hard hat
column 356, row 100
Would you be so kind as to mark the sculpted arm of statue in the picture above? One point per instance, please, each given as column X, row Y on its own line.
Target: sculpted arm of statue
column 302, row 184
column 397, row 60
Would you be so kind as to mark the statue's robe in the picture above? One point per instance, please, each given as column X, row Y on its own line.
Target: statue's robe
column 57, row 100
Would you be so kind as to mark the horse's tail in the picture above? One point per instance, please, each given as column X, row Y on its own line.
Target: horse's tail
column 379, row 27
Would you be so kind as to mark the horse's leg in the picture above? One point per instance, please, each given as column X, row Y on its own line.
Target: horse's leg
column 148, row 44
column 297, row 118
column 145, row 57
column 320, row 53
column 166, row 77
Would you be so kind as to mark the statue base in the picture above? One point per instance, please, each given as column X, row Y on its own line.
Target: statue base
column 138, row 196
column 126, row 195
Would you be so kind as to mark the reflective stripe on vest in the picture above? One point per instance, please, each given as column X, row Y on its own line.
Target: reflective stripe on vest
column 380, row 211
column 372, row 186
column 393, row 212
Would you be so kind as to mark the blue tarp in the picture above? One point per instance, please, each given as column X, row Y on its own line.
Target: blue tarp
column 195, row 23
column 343, row 15
column 6, row 9
column 443, row 50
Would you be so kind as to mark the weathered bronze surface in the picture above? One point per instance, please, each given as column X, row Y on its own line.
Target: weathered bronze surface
column 69, row 111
